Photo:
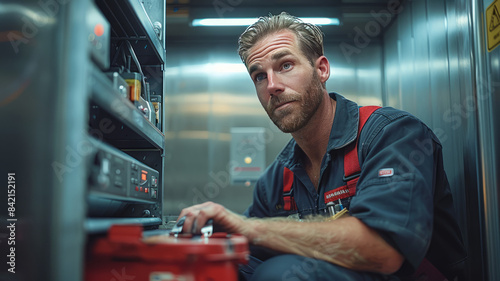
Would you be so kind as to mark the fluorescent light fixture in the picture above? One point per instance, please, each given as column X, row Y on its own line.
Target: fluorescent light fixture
column 224, row 21
column 322, row 21
column 249, row 21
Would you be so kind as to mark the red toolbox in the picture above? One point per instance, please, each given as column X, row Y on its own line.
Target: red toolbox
column 125, row 255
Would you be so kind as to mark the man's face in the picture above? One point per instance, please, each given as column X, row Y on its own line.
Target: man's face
column 287, row 84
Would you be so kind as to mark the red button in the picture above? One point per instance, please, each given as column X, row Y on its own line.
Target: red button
column 146, row 190
column 141, row 188
column 136, row 188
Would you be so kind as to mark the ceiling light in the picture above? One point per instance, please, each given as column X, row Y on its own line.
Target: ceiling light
column 249, row 21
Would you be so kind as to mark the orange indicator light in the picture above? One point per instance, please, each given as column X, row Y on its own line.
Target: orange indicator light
column 99, row 29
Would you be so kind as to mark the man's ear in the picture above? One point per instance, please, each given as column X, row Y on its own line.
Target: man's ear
column 322, row 66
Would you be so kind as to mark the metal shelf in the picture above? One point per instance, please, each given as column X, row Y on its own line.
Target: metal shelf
column 110, row 100
column 130, row 21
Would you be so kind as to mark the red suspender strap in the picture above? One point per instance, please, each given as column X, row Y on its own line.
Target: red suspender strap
column 351, row 160
column 287, row 190
column 351, row 170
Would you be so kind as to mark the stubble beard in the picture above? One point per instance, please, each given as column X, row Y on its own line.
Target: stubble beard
column 290, row 120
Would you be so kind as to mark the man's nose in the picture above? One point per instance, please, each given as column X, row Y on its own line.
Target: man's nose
column 274, row 84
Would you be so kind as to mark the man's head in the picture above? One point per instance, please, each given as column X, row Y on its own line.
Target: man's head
column 284, row 58
column 309, row 36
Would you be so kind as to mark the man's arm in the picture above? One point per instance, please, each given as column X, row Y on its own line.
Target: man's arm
column 347, row 242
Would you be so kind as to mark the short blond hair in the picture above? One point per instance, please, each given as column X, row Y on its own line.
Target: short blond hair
column 310, row 36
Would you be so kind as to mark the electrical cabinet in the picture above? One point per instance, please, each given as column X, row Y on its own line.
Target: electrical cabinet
column 83, row 126
column 125, row 116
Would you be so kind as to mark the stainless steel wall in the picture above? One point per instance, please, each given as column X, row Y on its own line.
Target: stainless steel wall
column 209, row 92
column 428, row 73
column 487, row 68
column 431, row 70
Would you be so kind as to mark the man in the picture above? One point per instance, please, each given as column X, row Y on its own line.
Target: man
column 402, row 210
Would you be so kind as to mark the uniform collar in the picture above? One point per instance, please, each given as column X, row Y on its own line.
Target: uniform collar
column 345, row 124
column 344, row 131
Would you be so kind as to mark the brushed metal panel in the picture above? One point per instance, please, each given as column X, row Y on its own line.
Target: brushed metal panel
column 488, row 101
column 407, row 61
column 358, row 76
column 420, row 33
column 455, row 142
column 439, row 75
column 391, row 68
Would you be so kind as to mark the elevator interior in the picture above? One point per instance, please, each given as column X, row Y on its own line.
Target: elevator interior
column 431, row 58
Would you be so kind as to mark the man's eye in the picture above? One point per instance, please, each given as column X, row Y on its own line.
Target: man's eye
column 259, row 77
column 287, row 66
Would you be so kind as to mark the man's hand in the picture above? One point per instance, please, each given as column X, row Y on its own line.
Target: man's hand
column 198, row 215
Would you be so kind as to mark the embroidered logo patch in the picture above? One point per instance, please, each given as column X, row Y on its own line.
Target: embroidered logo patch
column 386, row 172
column 336, row 194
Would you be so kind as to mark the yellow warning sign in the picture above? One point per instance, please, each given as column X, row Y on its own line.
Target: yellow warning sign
column 493, row 25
